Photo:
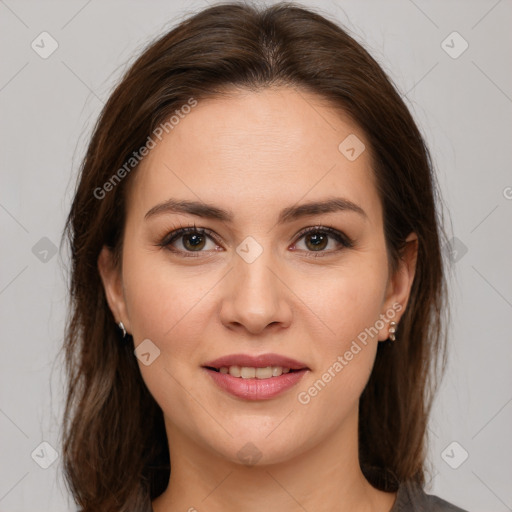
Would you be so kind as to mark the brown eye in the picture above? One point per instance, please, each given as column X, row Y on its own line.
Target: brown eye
column 189, row 240
column 317, row 239
column 193, row 241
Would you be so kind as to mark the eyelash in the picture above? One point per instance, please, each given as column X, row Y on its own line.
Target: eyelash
column 341, row 238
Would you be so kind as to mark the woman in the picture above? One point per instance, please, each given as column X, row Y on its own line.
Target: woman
column 257, row 285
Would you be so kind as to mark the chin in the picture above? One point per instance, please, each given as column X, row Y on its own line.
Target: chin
column 260, row 449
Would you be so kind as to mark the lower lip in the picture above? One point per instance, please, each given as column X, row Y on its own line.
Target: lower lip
column 256, row 389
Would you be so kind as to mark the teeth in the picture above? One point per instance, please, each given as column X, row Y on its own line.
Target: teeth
column 247, row 372
column 263, row 373
column 234, row 371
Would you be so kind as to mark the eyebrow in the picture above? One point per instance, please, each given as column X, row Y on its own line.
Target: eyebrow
column 289, row 214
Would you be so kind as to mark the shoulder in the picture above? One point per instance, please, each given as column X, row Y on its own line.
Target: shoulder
column 412, row 498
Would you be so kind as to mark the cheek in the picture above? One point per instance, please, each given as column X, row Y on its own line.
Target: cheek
column 347, row 300
column 349, row 307
column 161, row 298
column 165, row 305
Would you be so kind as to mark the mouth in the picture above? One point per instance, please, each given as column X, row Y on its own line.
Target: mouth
column 252, row 372
column 246, row 366
column 255, row 377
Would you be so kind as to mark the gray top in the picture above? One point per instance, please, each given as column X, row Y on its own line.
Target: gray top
column 412, row 498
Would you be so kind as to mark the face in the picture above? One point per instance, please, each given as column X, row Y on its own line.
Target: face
column 258, row 274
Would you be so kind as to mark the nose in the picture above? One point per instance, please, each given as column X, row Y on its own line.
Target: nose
column 255, row 296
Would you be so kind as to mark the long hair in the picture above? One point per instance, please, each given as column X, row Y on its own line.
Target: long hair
column 115, row 449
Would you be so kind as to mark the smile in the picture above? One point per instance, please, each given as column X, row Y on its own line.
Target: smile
column 249, row 372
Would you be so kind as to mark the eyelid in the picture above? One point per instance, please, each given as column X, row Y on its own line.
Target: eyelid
column 183, row 230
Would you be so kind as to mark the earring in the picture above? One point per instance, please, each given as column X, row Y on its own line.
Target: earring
column 392, row 330
column 121, row 326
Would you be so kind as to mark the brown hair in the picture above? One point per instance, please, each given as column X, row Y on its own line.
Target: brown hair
column 115, row 448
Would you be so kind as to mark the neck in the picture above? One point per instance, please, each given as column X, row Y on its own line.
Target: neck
column 323, row 478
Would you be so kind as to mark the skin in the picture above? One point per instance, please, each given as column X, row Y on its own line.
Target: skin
column 254, row 153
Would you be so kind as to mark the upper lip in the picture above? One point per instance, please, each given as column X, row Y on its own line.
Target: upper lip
column 260, row 361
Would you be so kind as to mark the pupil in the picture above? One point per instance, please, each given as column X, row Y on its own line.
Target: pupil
column 193, row 241
column 318, row 240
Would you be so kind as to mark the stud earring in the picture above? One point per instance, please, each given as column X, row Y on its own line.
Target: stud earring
column 121, row 326
column 392, row 331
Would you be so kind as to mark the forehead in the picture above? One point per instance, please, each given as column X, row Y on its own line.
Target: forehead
column 258, row 149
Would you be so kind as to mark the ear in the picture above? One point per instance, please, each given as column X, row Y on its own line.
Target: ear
column 399, row 286
column 112, row 280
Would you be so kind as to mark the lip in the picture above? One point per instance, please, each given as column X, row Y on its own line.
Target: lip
column 256, row 389
column 260, row 361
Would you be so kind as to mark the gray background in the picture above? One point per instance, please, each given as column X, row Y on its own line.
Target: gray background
column 463, row 106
